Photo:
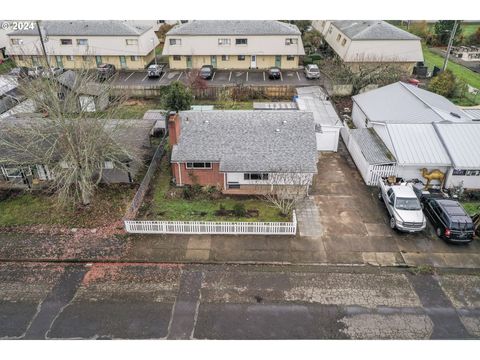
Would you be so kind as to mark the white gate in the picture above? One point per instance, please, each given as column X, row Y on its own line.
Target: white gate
column 376, row 172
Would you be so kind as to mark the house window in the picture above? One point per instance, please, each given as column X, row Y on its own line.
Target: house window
column 223, row 41
column 131, row 41
column 177, row 57
column 82, row 41
column 66, row 41
column 339, row 37
column 16, row 41
column 344, row 41
column 255, row 176
column 134, row 58
column 290, row 57
column 70, row 57
column 108, row 165
column 291, row 41
column 241, row 57
column 175, row 41
column 225, row 57
column 241, row 41
column 199, row 165
column 13, row 173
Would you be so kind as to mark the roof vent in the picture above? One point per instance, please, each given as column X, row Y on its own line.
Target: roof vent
column 206, row 122
column 277, row 130
column 284, row 122
column 455, row 115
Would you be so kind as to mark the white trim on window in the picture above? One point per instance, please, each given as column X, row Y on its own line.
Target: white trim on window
column 198, row 165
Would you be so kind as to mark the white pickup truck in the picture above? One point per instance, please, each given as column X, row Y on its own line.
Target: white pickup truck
column 402, row 205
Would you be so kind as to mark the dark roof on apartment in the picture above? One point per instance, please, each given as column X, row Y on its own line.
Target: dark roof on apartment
column 372, row 30
column 273, row 141
column 235, row 27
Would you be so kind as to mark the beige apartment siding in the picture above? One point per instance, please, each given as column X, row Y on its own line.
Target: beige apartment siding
column 263, row 62
column 407, row 67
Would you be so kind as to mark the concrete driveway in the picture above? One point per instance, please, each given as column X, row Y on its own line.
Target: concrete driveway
column 354, row 223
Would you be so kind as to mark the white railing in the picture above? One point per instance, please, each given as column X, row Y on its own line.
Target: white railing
column 212, row 227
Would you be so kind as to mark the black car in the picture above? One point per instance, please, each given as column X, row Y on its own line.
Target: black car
column 105, row 71
column 274, row 73
column 449, row 218
column 20, row 72
column 206, row 72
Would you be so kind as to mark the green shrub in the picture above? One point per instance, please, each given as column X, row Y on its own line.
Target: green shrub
column 239, row 210
column 307, row 60
column 443, row 84
column 188, row 193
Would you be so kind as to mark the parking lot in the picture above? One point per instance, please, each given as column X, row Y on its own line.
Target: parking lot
column 220, row 78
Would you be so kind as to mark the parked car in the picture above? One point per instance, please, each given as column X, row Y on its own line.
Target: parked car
column 36, row 71
column 274, row 73
column 206, row 72
column 312, row 71
column 449, row 219
column 53, row 70
column 402, row 204
column 155, row 70
column 105, row 71
column 20, row 72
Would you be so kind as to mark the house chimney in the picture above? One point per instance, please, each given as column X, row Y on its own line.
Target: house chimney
column 173, row 128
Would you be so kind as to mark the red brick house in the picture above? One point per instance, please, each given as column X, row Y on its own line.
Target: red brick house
column 241, row 152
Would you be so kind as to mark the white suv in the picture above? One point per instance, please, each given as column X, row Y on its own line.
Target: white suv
column 312, row 71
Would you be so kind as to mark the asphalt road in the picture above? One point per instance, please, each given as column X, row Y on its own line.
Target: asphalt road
column 220, row 78
column 159, row 301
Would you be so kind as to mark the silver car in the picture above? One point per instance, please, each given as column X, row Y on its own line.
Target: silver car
column 312, row 71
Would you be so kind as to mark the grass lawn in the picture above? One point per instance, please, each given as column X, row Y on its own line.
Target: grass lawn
column 6, row 66
column 108, row 205
column 133, row 109
column 163, row 208
column 229, row 105
column 472, row 207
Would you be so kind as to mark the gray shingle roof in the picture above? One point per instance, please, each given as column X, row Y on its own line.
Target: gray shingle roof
column 86, row 28
column 462, row 142
column 407, row 104
column 249, row 140
column 235, row 27
column 372, row 30
column 372, row 147
column 69, row 80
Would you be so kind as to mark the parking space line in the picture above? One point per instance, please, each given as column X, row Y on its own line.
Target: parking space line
column 179, row 76
column 213, row 76
column 298, row 75
column 129, row 76
column 144, row 78
column 281, row 76
column 263, row 75
column 247, row 77
column 161, row 77
column 229, row 76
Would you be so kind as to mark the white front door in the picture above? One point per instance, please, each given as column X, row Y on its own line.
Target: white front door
column 87, row 103
column 253, row 62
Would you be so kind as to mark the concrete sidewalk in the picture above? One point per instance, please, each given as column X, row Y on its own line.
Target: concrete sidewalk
column 218, row 249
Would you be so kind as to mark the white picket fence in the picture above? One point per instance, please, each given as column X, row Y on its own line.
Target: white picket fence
column 212, row 227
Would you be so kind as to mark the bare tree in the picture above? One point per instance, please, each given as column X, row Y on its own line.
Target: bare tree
column 72, row 142
column 284, row 190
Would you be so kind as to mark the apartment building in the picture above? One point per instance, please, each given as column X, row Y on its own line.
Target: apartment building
column 234, row 44
column 360, row 42
column 85, row 44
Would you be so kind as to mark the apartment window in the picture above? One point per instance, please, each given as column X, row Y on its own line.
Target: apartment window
column 134, row 58
column 339, row 37
column 330, row 29
column 223, row 41
column 241, row 57
column 20, row 57
column 291, row 41
column 82, row 41
column 16, row 41
column 225, row 57
column 131, row 41
column 66, row 41
column 175, row 41
column 108, row 165
column 241, row 41
column 199, row 165
column 177, row 57
column 85, row 58
column 344, row 41
column 70, row 57
column 290, row 57
column 255, row 176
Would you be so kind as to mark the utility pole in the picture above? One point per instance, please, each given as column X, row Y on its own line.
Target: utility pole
column 450, row 42
column 43, row 45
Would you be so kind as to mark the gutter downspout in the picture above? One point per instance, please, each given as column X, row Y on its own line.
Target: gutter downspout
column 179, row 174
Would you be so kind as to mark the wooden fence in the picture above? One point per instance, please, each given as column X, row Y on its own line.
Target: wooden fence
column 212, row 227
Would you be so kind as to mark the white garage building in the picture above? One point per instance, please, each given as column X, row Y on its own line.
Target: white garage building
column 327, row 122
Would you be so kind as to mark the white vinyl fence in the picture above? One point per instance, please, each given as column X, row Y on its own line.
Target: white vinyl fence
column 212, row 227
